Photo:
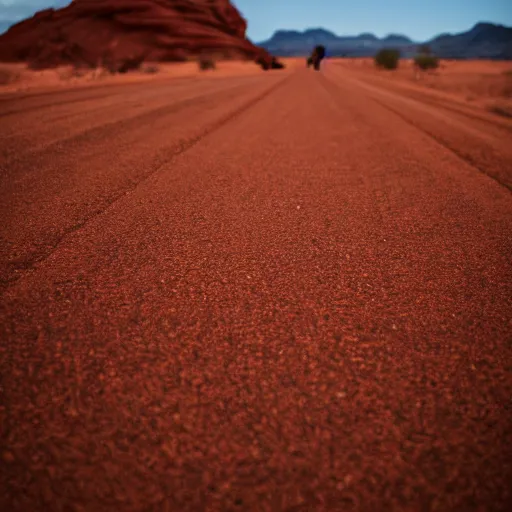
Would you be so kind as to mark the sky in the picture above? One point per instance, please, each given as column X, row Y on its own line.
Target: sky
column 418, row 19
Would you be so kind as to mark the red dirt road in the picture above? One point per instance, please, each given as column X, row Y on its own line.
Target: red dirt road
column 284, row 292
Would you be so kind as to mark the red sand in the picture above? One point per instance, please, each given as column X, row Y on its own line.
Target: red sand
column 287, row 291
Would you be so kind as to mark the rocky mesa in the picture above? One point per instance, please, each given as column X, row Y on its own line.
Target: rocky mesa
column 119, row 34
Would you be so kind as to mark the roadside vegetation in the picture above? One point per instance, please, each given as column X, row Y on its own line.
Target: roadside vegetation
column 425, row 59
column 206, row 63
column 387, row 58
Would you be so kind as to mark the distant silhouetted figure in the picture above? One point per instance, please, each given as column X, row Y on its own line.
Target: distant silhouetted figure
column 316, row 57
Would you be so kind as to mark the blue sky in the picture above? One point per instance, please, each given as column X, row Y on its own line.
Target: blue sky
column 418, row 19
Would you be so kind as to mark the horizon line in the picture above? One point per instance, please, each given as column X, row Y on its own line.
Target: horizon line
column 303, row 31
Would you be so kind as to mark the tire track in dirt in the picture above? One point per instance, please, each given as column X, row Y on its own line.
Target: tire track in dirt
column 447, row 104
column 35, row 96
column 250, row 330
column 42, row 106
column 17, row 269
column 467, row 157
column 481, row 155
column 97, row 134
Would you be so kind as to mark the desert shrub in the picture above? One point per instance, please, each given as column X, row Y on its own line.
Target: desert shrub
column 275, row 64
column 150, row 69
column 425, row 61
column 387, row 58
column 114, row 65
column 206, row 63
column 263, row 63
column 266, row 64
column 130, row 64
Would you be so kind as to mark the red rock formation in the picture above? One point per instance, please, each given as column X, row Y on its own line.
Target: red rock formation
column 121, row 33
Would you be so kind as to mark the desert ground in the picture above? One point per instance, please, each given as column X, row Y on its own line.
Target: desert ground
column 480, row 83
column 18, row 77
column 247, row 290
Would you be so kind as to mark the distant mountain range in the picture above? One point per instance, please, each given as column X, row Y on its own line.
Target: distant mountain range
column 483, row 41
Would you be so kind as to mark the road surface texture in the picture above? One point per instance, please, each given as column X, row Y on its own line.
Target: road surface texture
column 282, row 292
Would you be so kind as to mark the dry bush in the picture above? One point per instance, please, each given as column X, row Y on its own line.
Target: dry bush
column 387, row 58
column 121, row 65
column 426, row 62
column 206, row 62
column 150, row 69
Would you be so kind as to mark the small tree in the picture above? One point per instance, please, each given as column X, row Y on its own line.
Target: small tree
column 387, row 58
column 426, row 62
